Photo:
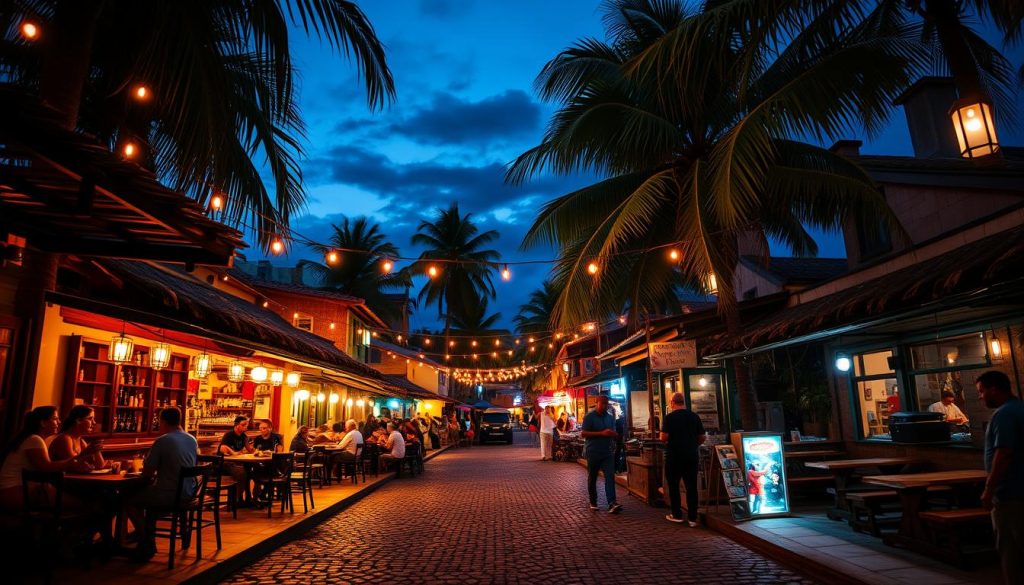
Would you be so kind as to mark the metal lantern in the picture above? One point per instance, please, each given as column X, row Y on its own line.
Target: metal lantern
column 236, row 371
column 121, row 349
column 975, row 130
column 160, row 356
column 293, row 379
column 276, row 377
column 258, row 374
column 202, row 364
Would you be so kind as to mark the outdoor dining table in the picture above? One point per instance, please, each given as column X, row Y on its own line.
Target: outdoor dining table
column 842, row 471
column 117, row 487
column 913, row 489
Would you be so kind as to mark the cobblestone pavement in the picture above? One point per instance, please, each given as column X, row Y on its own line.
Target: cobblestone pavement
column 496, row 514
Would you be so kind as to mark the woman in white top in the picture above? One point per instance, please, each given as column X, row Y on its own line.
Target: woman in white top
column 28, row 451
column 71, row 442
column 547, row 429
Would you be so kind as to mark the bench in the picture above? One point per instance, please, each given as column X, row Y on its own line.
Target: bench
column 872, row 505
column 959, row 535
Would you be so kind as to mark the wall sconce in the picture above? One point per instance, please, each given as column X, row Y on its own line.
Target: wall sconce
column 975, row 130
column 843, row 362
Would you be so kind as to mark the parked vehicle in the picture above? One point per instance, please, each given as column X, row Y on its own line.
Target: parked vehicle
column 496, row 423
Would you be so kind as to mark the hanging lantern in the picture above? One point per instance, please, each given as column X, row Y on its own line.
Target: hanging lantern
column 236, row 371
column 712, row 283
column 258, row 374
column 975, row 130
column 293, row 379
column 202, row 364
column 301, row 395
column 160, row 356
column 334, row 398
column 277, row 377
column 120, row 350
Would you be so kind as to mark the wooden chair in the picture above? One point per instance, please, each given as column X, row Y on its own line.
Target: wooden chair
column 411, row 460
column 43, row 510
column 302, row 476
column 186, row 515
column 278, row 481
column 352, row 466
column 221, row 485
column 321, row 462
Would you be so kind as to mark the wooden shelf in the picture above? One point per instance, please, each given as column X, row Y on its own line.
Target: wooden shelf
column 94, row 383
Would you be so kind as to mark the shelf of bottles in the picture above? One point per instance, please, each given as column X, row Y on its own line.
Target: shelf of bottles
column 127, row 398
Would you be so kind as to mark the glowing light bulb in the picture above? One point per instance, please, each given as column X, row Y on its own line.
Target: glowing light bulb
column 497, row 343
column 973, row 123
column 432, row 271
column 29, row 30
column 332, row 257
column 673, row 255
column 506, row 274
column 276, row 246
column 129, row 150
column 592, row 268
column 141, row 92
column 473, row 343
column 426, row 341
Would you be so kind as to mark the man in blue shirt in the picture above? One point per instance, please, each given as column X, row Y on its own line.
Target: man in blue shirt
column 599, row 432
column 1004, row 462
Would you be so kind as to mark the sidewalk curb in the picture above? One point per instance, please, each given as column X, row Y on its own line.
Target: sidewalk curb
column 222, row 570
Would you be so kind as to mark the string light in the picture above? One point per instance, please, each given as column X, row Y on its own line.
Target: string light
column 432, row 271
column 276, row 246
column 673, row 255
column 29, row 30
column 141, row 92
column 386, row 266
column 332, row 257
column 592, row 268
column 216, row 202
column 128, row 150
column 506, row 274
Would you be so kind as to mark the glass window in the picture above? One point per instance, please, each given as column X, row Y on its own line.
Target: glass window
column 965, row 350
column 872, row 364
column 877, row 399
column 303, row 321
column 704, row 401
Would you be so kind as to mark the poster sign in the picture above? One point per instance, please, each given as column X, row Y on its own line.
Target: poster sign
column 733, row 479
column 765, row 471
column 672, row 355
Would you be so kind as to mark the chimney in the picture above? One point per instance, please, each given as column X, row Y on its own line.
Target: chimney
column 847, row 148
column 926, row 104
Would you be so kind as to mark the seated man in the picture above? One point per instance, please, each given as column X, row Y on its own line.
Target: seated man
column 170, row 452
column 349, row 446
column 950, row 411
column 393, row 448
column 268, row 439
column 236, row 442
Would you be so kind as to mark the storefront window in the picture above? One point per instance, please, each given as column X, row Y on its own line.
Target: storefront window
column 877, row 392
column 944, row 372
column 705, row 401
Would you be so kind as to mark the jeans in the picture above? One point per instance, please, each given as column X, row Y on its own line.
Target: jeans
column 1008, row 524
column 601, row 463
column 687, row 471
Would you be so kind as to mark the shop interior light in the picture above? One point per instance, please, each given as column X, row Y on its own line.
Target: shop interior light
column 160, row 356
column 121, row 348
column 258, row 374
column 236, row 371
column 997, row 348
column 277, row 377
column 202, row 365
column 293, row 379
column 301, row 395
column 702, row 382
column 843, row 362
column 320, row 396
column 334, row 398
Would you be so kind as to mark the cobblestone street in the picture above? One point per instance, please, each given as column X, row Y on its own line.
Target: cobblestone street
column 496, row 514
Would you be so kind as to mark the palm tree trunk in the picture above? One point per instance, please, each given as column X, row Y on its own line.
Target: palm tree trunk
column 944, row 16
column 67, row 51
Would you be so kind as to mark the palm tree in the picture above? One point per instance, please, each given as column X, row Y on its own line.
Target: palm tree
column 453, row 245
column 359, row 270
column 220, row 102
column 536, row 317
column 696, row 118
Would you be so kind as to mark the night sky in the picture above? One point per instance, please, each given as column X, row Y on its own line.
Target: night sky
column 465, row 108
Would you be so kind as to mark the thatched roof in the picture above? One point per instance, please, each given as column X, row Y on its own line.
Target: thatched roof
column 986, row 263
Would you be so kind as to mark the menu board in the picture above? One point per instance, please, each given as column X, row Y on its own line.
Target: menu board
column 765, row 471
column 735, row 484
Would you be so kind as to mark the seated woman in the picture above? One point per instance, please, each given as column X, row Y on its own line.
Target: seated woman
column 28, row 451
column 70, row 442
column 300, row 442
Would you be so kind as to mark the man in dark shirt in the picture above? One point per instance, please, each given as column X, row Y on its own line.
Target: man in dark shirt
column 599, row 432
column 268, row 440
column 683, row 433
column 236, row 442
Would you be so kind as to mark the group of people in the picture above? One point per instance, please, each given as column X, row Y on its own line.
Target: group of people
column 549, row 428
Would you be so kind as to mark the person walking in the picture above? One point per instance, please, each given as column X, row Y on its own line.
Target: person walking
column 547, row 429
column 682, row 433
column 599, row 450
column 1004, row 463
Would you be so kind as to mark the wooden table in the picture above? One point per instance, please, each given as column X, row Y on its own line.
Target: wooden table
column 913, row 488
column 118, row 486
column 811, row 454
column 842, row 471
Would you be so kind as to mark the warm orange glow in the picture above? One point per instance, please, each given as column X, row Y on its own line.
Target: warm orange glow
column 622, row 320
column 332, row 257
column 29, row 30
column 494, row 354
column 497, row 343
column 426, row 341
column 550, row 345
column 531, row 340
column 128, row 149
column 295, row 315
column 473, row 343
column 332, row 326
column 276, row 246
column 673, row 255
column 974, row 127
column 224, row 278
column 592, row 268
column 432, row 271
column 532, row 349
column 141, row 92
column 386, row 266
column 266, row 304
column 451, row 343
column 399, row 337
column 216, row 202
column 506, row 274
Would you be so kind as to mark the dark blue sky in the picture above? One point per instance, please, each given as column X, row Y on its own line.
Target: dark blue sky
column 463, row 73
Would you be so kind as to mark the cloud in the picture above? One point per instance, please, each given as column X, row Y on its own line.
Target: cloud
column 511, row 115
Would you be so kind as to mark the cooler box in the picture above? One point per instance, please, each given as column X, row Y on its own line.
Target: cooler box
column 918, row 427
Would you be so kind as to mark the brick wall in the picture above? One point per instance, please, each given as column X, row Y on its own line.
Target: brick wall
column 323, row 311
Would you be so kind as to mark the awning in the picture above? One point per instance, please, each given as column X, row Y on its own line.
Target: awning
column 67, row 193
column 978, row 273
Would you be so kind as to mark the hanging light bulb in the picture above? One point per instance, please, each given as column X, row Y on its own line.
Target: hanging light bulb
column 506, row 274
column 301, row 395
column 217, row 202
column 128, row 150
column 202, row 364
column 334, row 398
column 259, row 374
column 276, row 377
column 432, row 271
column 236, row 371
column 141, row 92
column 121, row 348
column 276, row 246
column 320, row 396
column 386, row 266
column 29, row 30
column 332, row 257
column 293, row 379
column 160, row 356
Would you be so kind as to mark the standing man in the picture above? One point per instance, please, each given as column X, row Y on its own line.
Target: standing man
column 1004, row 462
column 682, row 433
column 170, row 452
column 599, row 432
